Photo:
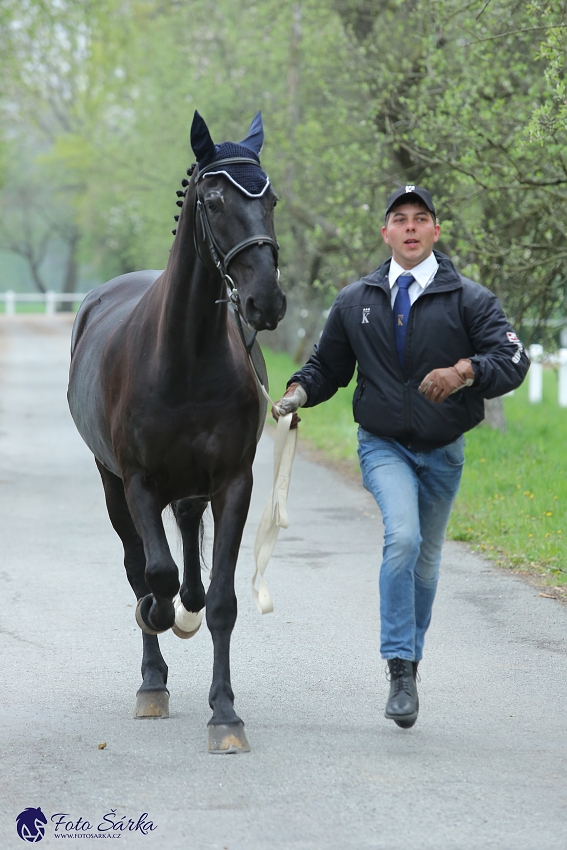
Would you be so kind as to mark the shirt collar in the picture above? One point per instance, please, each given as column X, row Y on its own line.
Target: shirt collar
column 423, row 273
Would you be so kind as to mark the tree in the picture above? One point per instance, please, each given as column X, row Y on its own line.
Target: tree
column 469, row 100
column 452, row 101
column 51, row 99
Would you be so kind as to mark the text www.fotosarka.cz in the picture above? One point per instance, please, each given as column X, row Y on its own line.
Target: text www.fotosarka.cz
column 32, row 825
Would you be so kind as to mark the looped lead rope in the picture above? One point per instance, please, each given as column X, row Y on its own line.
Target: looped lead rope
column 275, row 514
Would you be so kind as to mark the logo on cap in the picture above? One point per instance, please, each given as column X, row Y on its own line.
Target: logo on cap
column 410, row 188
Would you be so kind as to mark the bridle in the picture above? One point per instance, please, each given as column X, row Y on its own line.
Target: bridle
column 220, row 259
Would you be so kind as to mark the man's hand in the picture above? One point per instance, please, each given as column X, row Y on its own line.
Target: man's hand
column 441, row 383
column 293, row 398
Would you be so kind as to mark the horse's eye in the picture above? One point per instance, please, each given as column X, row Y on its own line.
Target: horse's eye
column 275, row 202
column 211, row 206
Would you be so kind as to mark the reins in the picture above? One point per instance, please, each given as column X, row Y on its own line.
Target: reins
column 275, row 514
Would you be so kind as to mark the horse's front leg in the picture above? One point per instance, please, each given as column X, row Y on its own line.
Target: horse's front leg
column 155, row 612
column 152, row 699
column 230, row 509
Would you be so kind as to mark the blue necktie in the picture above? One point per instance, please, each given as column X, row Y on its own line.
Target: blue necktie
column 402, row 305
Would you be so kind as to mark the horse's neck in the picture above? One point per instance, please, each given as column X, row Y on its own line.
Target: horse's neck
column 191, row 322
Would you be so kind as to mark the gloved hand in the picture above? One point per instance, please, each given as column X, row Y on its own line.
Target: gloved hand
column 293, row 398
column 441, row 383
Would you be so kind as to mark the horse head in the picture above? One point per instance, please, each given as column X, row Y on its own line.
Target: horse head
column 235, row 211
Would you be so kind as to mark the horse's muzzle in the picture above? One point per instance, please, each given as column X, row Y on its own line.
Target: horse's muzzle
column 266, row 312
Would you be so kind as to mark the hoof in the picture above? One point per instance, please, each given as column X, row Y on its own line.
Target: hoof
column 152, row 704
column 186, row 623
column 142, row 612
column 228, row 739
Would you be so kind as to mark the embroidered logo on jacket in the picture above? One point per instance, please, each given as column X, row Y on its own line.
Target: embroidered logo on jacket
column 365, row 312
column 512, row 337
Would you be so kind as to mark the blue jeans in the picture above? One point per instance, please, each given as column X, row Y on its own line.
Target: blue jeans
column 415, row 492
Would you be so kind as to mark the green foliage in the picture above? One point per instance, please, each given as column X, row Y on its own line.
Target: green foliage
column 329, row 427
column 512, row 505
column 549, row 119
column 453, row 101
column 469, row 100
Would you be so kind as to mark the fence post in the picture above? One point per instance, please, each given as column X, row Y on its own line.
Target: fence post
column 10, row 302
column 50, row 303
column 562, row 395
column 535, row 389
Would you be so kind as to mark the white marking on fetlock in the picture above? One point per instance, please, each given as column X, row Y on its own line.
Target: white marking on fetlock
column 186, row 622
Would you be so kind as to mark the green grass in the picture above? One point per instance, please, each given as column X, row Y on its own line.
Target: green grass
column 512, row 505
column 328, row 427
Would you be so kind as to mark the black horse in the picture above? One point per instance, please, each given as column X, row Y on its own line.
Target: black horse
column 163, row 392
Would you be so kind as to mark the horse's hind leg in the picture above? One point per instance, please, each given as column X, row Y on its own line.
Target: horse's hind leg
column 152, row 700
column 190, row 604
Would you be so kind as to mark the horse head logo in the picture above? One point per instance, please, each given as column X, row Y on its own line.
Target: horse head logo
column 31, row 825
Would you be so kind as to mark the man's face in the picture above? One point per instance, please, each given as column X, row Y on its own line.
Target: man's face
column 411, row 232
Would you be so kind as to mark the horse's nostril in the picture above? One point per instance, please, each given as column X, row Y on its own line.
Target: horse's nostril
column 252, row 313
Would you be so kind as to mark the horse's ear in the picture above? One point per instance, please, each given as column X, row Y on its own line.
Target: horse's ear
column 203, row 146
column 255, row 138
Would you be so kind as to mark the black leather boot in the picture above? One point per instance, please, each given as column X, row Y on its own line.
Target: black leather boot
column 403, row 703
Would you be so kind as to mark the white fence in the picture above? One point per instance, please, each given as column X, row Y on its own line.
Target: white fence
column 535, row 376
column 50, row 299
column 538, row 356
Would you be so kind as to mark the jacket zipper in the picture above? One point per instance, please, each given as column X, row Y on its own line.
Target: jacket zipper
column 393, row 340
column 408, row 360
column 404, row 381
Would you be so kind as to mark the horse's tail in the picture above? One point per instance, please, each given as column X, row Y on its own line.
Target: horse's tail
column 181, row 509
column 204, row 565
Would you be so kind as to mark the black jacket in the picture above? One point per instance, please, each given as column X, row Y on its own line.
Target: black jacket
column 453, row 318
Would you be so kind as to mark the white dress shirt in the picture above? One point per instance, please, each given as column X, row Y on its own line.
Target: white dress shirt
column 423, row 274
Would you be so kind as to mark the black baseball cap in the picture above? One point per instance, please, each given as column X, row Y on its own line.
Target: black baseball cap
column 407, row 192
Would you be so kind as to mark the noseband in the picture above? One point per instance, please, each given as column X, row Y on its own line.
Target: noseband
column 220, row 259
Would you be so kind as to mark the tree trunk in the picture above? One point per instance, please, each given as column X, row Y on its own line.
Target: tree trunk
column 494, row 414
column 71, row 273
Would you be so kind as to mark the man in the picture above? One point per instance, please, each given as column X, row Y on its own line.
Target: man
column 430, row 346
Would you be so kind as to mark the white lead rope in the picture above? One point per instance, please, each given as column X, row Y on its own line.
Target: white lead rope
column 275, row 514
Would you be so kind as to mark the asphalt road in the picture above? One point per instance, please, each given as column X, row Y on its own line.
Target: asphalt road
column 485, row 766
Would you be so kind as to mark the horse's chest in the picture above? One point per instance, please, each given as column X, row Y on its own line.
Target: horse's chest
column 186, row 443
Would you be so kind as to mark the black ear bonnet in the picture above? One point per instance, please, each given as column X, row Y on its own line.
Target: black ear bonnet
column 247, row 177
